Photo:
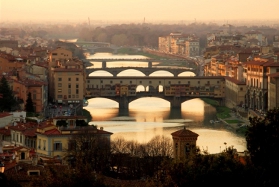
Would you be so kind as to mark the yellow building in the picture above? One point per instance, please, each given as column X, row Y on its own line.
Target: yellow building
column 54, row 141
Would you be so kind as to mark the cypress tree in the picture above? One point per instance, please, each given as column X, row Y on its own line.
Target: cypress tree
column 29, row 107
column 7, row 99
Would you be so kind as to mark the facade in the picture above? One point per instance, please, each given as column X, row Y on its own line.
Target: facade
column 257, row 83
column 38, row 90
column 23, row 134
column 54, row 141
column 66, row 77
column 273, row 90
column 8, row 63
column 68, row 85
column 235, row 92
column 184, row 143
column 177, row 43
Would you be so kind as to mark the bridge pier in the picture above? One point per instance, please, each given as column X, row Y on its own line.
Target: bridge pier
column 123, row 103
column 149, row 64
column 176, row 102
column 104, row 64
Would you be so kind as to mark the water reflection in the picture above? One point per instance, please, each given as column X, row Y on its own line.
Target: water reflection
column 149, row 117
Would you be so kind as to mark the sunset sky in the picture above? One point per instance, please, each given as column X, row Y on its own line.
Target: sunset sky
column 151, row 10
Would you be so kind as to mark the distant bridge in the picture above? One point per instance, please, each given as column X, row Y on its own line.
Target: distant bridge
column 145, row 70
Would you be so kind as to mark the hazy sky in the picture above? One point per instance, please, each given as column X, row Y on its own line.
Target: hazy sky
column 151, row 10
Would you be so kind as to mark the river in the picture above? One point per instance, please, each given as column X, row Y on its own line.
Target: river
column 150, row 116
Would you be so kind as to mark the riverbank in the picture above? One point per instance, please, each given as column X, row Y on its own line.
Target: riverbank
column 234, row 119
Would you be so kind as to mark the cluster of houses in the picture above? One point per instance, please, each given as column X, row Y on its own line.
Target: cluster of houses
column 250, row 65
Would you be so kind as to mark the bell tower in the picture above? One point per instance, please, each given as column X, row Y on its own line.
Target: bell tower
column 184, row 142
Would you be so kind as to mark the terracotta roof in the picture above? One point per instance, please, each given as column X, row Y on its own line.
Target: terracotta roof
column 5, row 131
column 272, row 64
column 51, row 132
column 253, row 62
column 235, row 81
column 274, row 74
column 5, row 114
column 184, row 133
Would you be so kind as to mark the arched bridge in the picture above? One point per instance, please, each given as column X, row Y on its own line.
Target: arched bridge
column 173, row 89
column 145, row 70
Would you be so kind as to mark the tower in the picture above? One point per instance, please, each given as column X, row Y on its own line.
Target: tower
column 184, row 142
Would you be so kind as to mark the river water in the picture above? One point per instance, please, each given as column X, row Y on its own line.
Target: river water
column 150, row 116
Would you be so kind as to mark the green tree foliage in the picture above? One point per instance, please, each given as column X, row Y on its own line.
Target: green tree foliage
column 29, row 106
column 7, row 99
column 263, row 144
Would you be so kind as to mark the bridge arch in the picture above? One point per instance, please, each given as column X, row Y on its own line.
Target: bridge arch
column 101, row 73
column 130, row 72
column 160, row 73
column 186, row 73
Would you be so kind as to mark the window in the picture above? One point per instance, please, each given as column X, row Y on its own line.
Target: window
column 69, row 85
column 101, row 81
column 39, row 146
column 59, row 90
column 54, row 54
column 33, row 172
column 76, row 91
column 77, row 79
column 69, row 79
column 69, row 96
column 44, row 144
column 76, row 85
column 57, row 146
column 150, row 82
column 111, row 82
column 59, row 79
column 20, row 138
column 59, row 96
column 59, row 84
column 130, row 82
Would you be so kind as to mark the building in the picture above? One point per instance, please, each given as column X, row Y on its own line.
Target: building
column 235, row 92
column 53, row 141
column 9, row 63
column 66, row 77
column 184, row 144
column 178, row 43
column 273, row 90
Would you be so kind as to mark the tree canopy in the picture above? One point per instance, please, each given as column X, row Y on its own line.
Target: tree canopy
column 7, row 99
column 263, row 144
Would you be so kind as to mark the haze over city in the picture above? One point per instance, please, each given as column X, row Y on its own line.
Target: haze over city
column 179, row 11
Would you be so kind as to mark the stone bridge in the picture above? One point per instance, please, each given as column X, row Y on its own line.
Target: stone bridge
column 176, row 90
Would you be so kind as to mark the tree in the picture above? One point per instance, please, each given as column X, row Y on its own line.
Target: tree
column 263, row 144
column 7, row 99
column 29, row 106
column 89, row 150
